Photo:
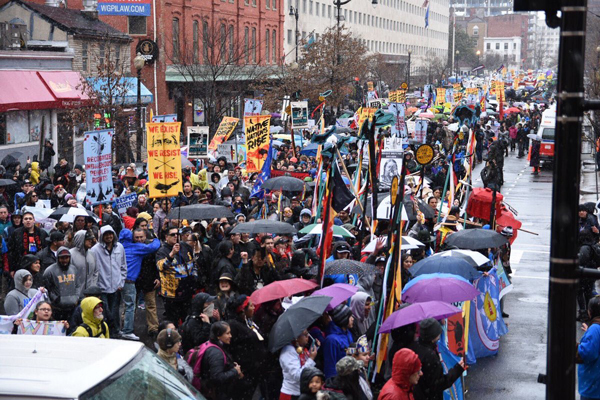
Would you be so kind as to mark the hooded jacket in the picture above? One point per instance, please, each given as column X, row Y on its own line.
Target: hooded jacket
column 84, row 261
column 34, row 177
column 135, row 253
column 19, row 297
column 87, row 313
column 62, row 285
column 26, row 263
column 174, row 271
column 588, row 351
column 357, row 305
column 112, row 265
column 194, row 331
column 405, row 363
column 334, row 348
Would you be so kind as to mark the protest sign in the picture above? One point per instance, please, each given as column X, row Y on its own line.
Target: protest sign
column 421, row 130
column 280, row 172
column 224, row 130
column 43, row 328
column 399, row 128
column 124, row 202
column 7, row 321
column 165, row 118
column 441, row 96
column 365, row 113
column 299, row 114
column 252, row 107
column 164, row 159
column 228, row 151
column 391, row 161
column 257, row 141
column 401, row 96
column 97, row 155
column 197, row 141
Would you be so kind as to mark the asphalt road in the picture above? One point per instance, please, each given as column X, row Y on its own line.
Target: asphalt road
column 512, row 374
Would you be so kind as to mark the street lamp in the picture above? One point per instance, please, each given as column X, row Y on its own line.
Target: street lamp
column 294, row 13
column 408, row 72
column 457, row 66
column 478, row 61
column 138, row 63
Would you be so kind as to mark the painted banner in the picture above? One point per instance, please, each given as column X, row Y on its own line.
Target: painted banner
column 227, row 150
column 124, row 202
column 441, row 96
column 458, row 96
column 197, row 141
column 224, row 130
column 97, row 156
column 365, row 113
column 299, row 114
column 449, row 360
column 401, row 96
column 505, row 284
column 257, row 141
column 49, row 328
column 486, row 323
column 393, row 96
column 280, row 172
column 399, row 129
column 421, row 130
column 140, row 8
column 7, row 321
column 498, row 90
column 164, row 159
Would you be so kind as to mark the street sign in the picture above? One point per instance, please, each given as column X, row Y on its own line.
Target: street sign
column 140, row 8
column 148, row 49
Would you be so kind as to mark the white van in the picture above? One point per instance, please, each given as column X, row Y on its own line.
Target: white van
column 546, row 133
column 54, row 367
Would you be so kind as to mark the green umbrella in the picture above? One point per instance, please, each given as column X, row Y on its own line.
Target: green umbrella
column 317, row 229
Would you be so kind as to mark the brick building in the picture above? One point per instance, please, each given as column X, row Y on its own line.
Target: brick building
column 510, row 25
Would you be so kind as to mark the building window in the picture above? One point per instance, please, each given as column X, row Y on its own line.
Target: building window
column 274, row 46
column 323, row 7
column 274, row 4
column 267, row 46
column 317, row 9
column 84, row 57
column 289, row 35
column 514, row 48
column 254, row 45
column 253, row 3
column 247, row 2
column 231, row 44
column 487, row 46
column 497, row 46
column 505, row 46
column 175, row 38
column 195, row 34
column 137, row 25
column 268, row 4
column 329, row 12
column 117, row 56
column 310, row 7
column 223, row 48
column 102, row 53
column 304, row 6
column 246, row 45
column 205, row 41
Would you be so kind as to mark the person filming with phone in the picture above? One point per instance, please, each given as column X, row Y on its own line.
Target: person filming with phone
column 294, row 357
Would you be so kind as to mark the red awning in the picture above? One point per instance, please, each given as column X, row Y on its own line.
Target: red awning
column 40, row 90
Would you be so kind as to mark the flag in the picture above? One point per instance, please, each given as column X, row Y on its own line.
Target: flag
column 483, row 104
column 327, row 235
column 343, row 195
column 265, row 173
column 425, row 4
column 500, row 68
column 449, row 360
column 427, row 17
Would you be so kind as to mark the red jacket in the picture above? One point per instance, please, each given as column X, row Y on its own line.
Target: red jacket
column 405, row 363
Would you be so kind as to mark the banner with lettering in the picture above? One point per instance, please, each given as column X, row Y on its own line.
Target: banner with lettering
column 224, row 130
column 421, row 130
column 164, row 159
column 401, row 96
column 280, row 172
column 257, row 141
column 44, row 328
column 441, row 96
column 365, row 113
column 124, row 202
column 97, row 155
column 7, row 321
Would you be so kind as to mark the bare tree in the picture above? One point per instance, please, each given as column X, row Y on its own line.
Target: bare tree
column 381, row 69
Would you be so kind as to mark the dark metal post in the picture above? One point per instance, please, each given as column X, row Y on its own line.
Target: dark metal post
column 564, row 278
column 408, row 73
column 139, row 135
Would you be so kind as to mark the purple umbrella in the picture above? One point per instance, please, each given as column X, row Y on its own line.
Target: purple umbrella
column 339, row 293
column 448, row 290
column 417, row 312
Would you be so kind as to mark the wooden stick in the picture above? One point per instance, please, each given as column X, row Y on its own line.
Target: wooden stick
column 530, row 232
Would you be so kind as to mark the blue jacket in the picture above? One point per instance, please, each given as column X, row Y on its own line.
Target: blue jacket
column 589, row 372
column 135, row 253
column 334, row 349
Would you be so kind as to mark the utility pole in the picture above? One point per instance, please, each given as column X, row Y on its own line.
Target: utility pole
column 338, row 4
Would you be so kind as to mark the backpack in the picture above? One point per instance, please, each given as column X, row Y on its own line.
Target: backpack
column 194, row 359
column 103, row 330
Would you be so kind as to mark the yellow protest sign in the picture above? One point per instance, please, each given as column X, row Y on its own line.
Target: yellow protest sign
column 365, row 112
column 401, row 96
column 457, row 87
column 257, row 141
column 164, row 158
column 223, row 132
column 393, row 97
column 441, row 96
column 370, row 86
column 458, row 97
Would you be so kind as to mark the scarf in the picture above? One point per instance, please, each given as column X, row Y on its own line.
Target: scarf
column 171, row 359
column 36, row 239
column 254, row 328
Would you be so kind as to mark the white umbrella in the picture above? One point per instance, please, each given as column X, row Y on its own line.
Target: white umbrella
column 453, row 127
column 408, row 243
column 472, row 257
column 384, row 210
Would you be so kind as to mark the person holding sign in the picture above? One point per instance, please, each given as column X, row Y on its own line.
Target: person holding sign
column 43, row 314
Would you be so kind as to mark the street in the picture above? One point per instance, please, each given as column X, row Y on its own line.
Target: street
column 514, row 371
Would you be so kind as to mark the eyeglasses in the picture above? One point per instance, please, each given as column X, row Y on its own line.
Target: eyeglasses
column 45, row 309
column 173, row 234
column 34, row 195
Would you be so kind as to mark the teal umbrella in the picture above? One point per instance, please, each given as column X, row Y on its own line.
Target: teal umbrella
column 317, row 229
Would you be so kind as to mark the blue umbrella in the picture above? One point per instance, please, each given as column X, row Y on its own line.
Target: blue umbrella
column 449, row 265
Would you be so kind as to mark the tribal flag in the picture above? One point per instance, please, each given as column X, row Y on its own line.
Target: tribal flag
column 265, row 173
column 328, row 215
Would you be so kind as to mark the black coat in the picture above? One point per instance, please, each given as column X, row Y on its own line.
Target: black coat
column 432, row 384
column 47, row 258
column 194, row 331
column 247, row 350
column 16, row 248
column 218, row 374
column 245, row 279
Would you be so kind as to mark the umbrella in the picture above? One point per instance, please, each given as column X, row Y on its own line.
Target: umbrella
column 10, row 159
column 296, row 319
column 265, row 226
column 345, row 267
column 281, row 289
column 200, row 211
column 6, row 182
column 512, row 110
column 68, row 214
column 285, row 183
column 434, row 287
column 480, row 200
column 426, row 209
column 475, row 239
column 449, row 265
column 317, row 229
column 185, row 163
column 339, row 293
column 408, row 243
column 472, row 257
column 417, row 312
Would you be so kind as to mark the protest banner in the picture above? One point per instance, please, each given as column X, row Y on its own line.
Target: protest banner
column 43, row 328
column 401, row 96
column 124, row 202
column 164, row 159
column 97, row 155
column 393, row 96
column 441, row 96
column 280, row 172
column 365, row 112
column 165, row 118
column 257, row 141
column 252, row 107
column 399, row 128
column 391, row 161
column 421, row 130
column 7, row 321
column 228, row 150
column 449, row 95
column 299, row 114
column 197, row 141
column 224, row 130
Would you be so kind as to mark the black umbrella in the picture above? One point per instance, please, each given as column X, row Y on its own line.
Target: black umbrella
column 426, row 209
column 296, row 319
column 345, row 267
column 265, row 226
column 285, row 183
column 475, row 239
column 12, row 158
column 448, row 265
column 6, row 182
column 358, row 211
column 200, row 211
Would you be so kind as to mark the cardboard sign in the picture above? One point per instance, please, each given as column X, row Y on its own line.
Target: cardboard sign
column 228, row 151
column 124, row 202
column 257, row 141
column 164, row 159
column 224, row 130
column 441, row 96
column 97, row 153
column 197, row 141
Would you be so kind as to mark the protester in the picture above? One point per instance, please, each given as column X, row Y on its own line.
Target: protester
column 338, row 338
column 406, row 372
column 92, row 313
column 84, row 260
column 294, row 358
column 61, row 282
column 21, row 295
column 311, row 382
column 169, row 343
column 588, row 354
column 195, row 330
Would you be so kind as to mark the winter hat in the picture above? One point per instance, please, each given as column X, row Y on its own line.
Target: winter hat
column 341, row 315
column 56, row 236
column 167, row 338
column 145, row 215
column 507, row 231
column 305, row 211
column 27, row 260
column 430, row 329
column 63, row 251
column 347, row 365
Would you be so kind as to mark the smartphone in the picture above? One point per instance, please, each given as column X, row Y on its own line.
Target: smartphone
column 312, row 342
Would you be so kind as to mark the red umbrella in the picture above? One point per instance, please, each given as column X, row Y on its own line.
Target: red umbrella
column 506, row 218
column 480, row 203
column 280, row 289
column 512, row 110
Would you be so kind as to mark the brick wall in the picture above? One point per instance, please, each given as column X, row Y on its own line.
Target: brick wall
column 508, row 26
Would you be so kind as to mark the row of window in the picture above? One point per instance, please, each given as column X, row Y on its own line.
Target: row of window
column 488, row 46
column 87, row 52
column 219, row 46
column 269, row 4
